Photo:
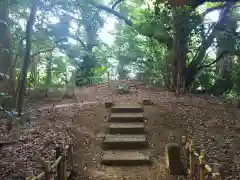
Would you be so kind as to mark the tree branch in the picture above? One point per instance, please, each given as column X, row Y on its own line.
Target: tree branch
column 209, row 10
column 192, row 69
column 80, row 40
column 209, row 40
column 215, row 61
column 160, row 37
column 46, row 50
column 42, row 51
column 213, row 9
column 112, row 11
column 116, row 3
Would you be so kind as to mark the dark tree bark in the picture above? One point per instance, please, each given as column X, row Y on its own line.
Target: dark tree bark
column 85, row 68
column 5, row 41
column 49, row 74
column 5, row 49
column 22, row 83
column 179, row 50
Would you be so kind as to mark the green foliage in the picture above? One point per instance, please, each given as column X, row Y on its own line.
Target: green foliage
column 69, row 29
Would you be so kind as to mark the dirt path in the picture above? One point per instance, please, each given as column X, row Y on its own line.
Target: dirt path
column 215, row 128
column 194, row 116
column 89, row 129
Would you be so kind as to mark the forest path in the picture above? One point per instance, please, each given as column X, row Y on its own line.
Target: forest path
column 89, row 128
column 214, row 126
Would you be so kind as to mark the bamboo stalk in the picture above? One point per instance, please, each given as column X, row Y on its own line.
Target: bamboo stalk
column 184, row 141
column 108, row 74
column 71, row 163
column 58, row 154
column 64, row 165
column 42, row 174
column 46, row 169
column 195, row 153
column 191, row 158
column 185, row 151
column 208, row 168
column 202, row 168
column 216, row 176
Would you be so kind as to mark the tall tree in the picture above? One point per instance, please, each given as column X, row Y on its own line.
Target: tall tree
column 49, row 73
column 177, row 38
column 24, row 70
column 5, row 41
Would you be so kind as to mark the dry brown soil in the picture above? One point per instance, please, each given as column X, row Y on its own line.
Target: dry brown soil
column 214, row 126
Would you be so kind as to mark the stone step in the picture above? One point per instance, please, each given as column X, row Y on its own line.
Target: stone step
column 127, row 108
column 124, row 141
column 126, row 117
column 124, row 158
column 125, row 128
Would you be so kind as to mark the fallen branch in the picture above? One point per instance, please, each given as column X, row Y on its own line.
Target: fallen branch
column 11, row 142
column 5, row 143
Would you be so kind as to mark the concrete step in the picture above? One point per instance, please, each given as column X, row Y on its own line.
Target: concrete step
column 126, row 117
column 124, row 158
column 127, row 108
column 125, row 128
column 124, row 141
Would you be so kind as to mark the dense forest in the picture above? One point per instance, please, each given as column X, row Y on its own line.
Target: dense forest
column 47, row 44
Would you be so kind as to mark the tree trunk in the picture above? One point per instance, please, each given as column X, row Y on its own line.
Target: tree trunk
column 5, row 49
column 166, row 74
column 181, row 76
column 49, row 74
column 91, row 35
column 178, row 53
column 35, row 67
column 22, row 83
column 5, row 42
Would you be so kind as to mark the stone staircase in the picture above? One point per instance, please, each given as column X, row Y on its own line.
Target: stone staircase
column 125, row 141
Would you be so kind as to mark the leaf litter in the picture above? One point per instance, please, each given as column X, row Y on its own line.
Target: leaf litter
column 214, row 126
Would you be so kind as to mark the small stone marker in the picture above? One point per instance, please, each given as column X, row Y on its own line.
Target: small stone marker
column 173, row 159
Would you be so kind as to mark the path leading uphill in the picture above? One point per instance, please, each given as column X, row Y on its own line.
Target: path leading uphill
column 125, row 139
column 205, row 118
column 142, row 146
column 83, row 118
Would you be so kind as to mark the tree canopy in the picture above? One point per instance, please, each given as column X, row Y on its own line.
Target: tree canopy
column 52, row 43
